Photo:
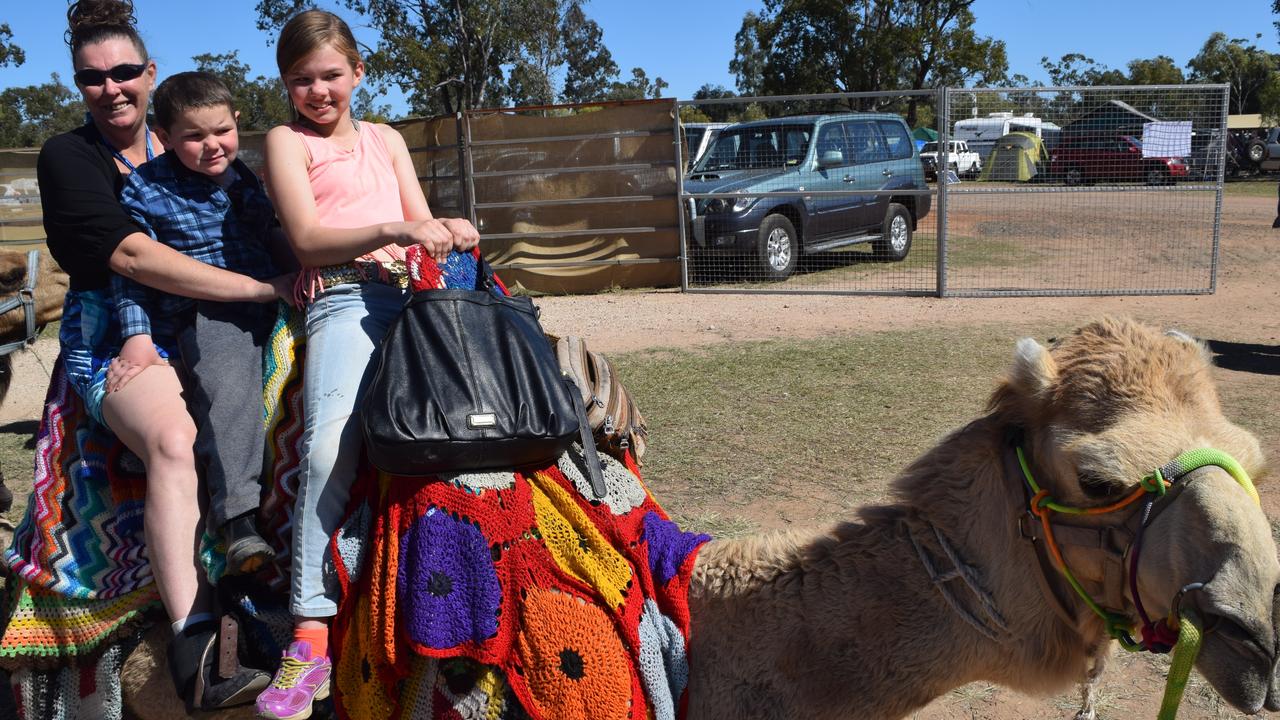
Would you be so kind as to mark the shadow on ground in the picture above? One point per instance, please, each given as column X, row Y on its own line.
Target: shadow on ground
column 1246, row 357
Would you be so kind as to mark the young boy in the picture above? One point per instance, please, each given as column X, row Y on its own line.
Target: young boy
column 199, row 199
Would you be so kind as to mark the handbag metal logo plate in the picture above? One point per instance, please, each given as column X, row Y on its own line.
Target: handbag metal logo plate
column 482, row 420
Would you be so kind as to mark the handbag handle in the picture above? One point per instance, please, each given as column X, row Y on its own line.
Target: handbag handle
column 595, row 471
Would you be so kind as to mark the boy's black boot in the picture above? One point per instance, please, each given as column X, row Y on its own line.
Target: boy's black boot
column 198, row 677
column 246, row 550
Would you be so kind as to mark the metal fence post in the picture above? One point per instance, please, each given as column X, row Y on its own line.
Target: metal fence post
column 1221, row 178
column 943, row 102
column 680, row 216
column 467, row 168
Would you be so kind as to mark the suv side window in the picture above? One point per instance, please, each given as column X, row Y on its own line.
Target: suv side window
column 863, row 141
column 796, row 145
column 831, row 137
column 898, row 142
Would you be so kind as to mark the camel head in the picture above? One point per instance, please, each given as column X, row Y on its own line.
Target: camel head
column 50, row 289
column 1104, row 407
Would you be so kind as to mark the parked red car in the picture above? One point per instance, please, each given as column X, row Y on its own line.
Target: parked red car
column 1111, row 158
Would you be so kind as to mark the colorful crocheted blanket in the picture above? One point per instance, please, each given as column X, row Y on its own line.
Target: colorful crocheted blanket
column 577, row 607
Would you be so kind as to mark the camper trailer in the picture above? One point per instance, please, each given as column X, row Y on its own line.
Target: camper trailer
column 981, row 133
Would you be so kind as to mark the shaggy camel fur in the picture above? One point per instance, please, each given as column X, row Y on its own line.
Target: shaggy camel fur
column 847, row 623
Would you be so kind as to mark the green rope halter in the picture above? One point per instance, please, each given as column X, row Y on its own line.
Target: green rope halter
column 1117, row 625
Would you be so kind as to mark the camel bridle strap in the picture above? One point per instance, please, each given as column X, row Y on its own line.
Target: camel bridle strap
column 25, row 299
column 1156, row 637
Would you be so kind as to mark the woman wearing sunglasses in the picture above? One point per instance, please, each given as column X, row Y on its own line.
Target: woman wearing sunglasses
column 90, row 235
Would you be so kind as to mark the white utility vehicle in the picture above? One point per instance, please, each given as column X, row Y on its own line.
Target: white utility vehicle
column 960, row 159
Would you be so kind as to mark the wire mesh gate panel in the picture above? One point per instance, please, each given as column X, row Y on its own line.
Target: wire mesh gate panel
column 1113, row 190
column 813, row 193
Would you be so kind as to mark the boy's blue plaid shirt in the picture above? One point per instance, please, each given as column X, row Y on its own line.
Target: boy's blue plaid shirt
column 192, row 214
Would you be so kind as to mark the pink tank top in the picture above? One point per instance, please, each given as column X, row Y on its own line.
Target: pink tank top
column 352, row 188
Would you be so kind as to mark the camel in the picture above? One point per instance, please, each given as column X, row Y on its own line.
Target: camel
column 50, row 289
column 876, row 616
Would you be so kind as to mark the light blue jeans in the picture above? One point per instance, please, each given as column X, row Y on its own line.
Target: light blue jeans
column 345, row 326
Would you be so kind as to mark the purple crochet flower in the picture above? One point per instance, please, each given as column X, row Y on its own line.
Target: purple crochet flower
column 447, row 587
column 668, row 545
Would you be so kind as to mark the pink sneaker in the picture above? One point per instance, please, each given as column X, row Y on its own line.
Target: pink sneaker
column 300, row 681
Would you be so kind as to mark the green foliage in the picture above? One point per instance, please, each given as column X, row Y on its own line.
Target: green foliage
column 589, row 67
column 638, row 88
column 1158, row 70
column 1078, row 70
column 716, row 113
column 261, row 101
column 820, row 46
column 693, row 114
column 10, row 54
column 447, row 56
column 31, row 114
column 1242, row 65
column 365, row 106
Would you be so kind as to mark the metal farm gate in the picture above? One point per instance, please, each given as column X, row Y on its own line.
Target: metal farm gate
column 949, row 192
column 1015, row 191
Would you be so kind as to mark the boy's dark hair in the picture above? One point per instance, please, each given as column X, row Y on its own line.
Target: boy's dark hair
column 187, row 91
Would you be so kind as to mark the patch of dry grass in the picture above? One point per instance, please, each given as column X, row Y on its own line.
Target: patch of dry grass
column 754, row 431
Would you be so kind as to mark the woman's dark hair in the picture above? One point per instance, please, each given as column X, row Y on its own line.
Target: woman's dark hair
column 92, row 21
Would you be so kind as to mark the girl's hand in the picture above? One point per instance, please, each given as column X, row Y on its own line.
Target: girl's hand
column 433, row 235
column 465, row 235
column 137, row 354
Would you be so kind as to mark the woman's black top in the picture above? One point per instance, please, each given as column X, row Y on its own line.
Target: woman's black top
column 79, row 190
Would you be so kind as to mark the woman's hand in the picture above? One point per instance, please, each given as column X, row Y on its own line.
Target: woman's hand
column 465, row 235
column 137, row 354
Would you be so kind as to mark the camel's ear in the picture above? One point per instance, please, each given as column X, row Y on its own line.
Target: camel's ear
column 1205, row 353
column 1033, row 368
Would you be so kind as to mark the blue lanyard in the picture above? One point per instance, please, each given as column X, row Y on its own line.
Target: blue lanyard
column 120, row 156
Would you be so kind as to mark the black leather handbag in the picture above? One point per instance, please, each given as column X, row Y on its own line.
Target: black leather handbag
column 466, row 380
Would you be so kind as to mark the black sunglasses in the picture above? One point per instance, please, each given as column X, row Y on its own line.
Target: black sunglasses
column 120, row 73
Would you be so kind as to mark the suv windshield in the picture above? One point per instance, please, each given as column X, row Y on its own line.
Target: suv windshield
column 930, row 147
column 757, row 147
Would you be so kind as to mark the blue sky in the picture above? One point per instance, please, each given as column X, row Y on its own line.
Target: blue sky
column 686, row 42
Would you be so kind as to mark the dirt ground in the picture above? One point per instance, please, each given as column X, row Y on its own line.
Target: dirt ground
column 1243, row 310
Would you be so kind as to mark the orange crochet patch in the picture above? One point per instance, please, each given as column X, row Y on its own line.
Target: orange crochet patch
column 572, row 658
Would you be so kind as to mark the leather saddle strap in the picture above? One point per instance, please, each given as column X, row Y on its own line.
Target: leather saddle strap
column 595, row 471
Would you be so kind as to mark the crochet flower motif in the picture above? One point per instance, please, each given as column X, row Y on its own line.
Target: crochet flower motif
column 478, row 482
column 669, row 546
column 446, row 584
column 573, row 660
column 664, row 668
column 575, row 543
column 623, row 491
column 364, row 694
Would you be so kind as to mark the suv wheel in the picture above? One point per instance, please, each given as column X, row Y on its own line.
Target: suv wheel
column 895, row 235
column 1073, row 175
column 1156, row 176
column 1257, row 151
column 778, row 248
